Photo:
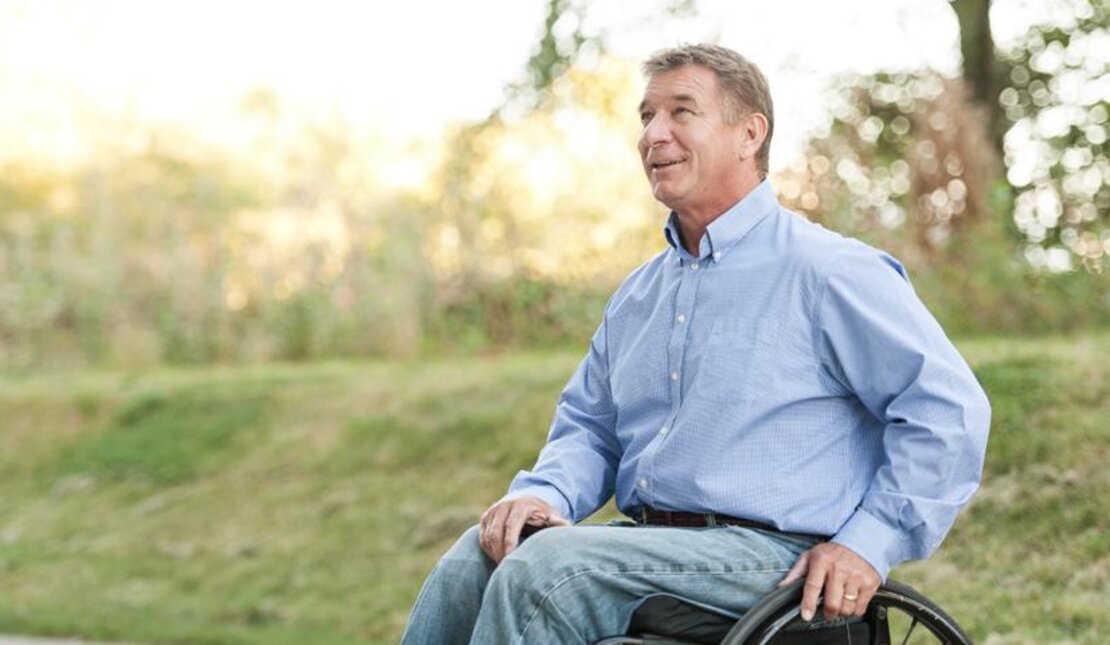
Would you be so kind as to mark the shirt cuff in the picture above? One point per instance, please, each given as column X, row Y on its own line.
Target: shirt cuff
column 548, row 494
column 873, row 540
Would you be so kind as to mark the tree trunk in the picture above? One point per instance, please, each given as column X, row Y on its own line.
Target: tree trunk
column 983, row 72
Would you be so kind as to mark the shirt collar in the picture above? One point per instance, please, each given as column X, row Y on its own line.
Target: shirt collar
column 730, row 227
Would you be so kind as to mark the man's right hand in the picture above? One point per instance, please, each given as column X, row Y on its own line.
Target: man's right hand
column 502, row 523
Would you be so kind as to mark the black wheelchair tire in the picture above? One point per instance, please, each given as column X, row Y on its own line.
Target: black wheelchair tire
column 763, row 622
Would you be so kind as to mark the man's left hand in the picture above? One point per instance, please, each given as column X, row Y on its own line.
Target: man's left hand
column 847, row 579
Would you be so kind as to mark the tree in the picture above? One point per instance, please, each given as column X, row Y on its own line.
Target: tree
column 1057, row 149
column 982, row 70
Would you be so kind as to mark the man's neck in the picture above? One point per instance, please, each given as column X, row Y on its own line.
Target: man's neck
column 693, row 222
column 690, row 230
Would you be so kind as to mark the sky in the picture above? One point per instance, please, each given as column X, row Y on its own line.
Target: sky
column 408, row 68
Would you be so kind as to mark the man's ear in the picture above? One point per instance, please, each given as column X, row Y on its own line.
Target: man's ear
column 752, row 133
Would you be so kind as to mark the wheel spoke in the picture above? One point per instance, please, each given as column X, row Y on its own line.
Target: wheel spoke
column 912, row 626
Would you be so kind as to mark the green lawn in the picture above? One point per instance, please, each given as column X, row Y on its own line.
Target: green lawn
column 282, row 504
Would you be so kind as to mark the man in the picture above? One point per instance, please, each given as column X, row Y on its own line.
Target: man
column 767, row 399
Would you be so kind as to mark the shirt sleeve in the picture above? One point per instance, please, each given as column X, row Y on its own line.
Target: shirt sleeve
column 879, row 342
column 576, row 469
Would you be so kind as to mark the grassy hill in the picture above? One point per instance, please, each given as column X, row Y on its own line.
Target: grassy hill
column 282, row 504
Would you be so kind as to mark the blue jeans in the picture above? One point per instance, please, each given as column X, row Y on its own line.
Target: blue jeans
column 578, row 584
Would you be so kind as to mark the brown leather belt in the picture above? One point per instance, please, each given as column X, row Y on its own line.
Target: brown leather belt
column 651, row 516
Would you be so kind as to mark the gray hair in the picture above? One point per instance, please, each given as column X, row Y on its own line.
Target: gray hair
column 744, row 86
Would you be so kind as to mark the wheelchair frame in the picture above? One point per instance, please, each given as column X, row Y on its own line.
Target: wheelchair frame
column 769, row 621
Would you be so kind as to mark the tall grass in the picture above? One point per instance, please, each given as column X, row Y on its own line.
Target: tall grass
column 288, row 503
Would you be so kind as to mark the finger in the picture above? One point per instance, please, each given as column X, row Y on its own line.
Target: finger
column 796, row 571
column 547, row 516
column 815, row 582
column 513, row 524
column 834, row 593
column 865, row 580
column 483, row 539
column 866, row 593
column 494, row 533
column 487, row 517
column 483, row 524
column 554, row 519
column 850, row 601
column 852, row 592
column 544, row 517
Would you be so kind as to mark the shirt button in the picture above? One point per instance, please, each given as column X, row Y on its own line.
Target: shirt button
column 663, row 430
column 643, row 484
column 695, row 266
column 681, row 318
column 674, row 376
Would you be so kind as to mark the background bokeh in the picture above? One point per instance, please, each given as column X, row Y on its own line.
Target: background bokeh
column 189, row 184
column 287, row 289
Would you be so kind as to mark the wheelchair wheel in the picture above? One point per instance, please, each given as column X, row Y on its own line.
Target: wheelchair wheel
column 897, row 614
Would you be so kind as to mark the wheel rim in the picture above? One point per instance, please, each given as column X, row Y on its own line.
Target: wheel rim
column 908, row 622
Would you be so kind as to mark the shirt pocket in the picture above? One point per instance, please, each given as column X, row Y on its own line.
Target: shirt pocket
column 738, row 360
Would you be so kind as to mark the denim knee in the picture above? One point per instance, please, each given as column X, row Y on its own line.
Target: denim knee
column 554, row 547
column 556, row 584
column 544, row 560
column 467, row 546
column 449, row 602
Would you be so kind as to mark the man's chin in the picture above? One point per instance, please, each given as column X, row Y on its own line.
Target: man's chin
column 664, row 195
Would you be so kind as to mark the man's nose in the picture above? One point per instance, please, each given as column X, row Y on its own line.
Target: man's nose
column 656, row 132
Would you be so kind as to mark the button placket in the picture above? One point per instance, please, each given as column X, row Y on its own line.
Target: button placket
column 684, row 299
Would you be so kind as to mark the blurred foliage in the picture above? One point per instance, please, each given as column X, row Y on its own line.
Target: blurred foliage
column 562, row 40
column 311, row 239
column 296, row 246
column 908, row 163
column 1057, row 99
column 567, row 37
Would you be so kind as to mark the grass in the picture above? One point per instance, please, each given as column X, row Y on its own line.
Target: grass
column 281, row 504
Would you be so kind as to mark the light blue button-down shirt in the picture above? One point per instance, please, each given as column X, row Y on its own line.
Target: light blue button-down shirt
column 786, row 374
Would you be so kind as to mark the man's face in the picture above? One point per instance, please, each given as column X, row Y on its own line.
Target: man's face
column 690, row 153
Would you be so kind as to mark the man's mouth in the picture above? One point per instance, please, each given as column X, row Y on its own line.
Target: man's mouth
column 656, row 165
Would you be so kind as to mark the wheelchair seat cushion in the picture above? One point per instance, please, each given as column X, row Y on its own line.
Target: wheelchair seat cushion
column 671, row 617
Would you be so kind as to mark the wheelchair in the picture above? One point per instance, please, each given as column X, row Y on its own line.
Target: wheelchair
column 896, row 614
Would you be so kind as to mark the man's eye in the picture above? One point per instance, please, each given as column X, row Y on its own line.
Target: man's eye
column 683, row 110
column 645, row 117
